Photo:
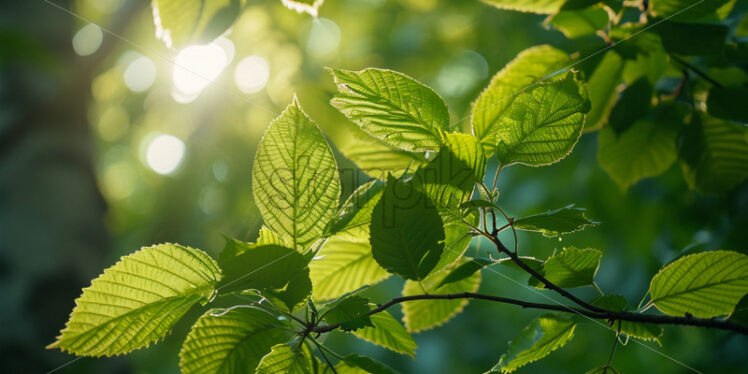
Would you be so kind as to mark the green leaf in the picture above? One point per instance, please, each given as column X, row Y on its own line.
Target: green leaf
column 543, row 124
column 304, row 6
column 407, row 236
column 422, row 315
column 449, row 179
column 635, row 103
column 555, row 222
column 345, row 263
column 295, row 179
column 704, row 285
column 602, row 89
column 644, row 150
column 388, row 333
column 693, row 39
column 604, row 370
column 530, row 65
column 573, row 267
column 138, row 300
column 687, row 10
column 357, row 364
column 727, row 103
column 530, row 6
column 392, row 107
column 377, row 158
column 178, row 22
column 231, row 341
column 740, row 314
column 457, row 236
column 721, row 160
column 639, row 330
column 542, row 336
column 251, row 266
column 466, row 270
column 582, row 22
column 294, row 294
column 284, row 360
column 352, row 313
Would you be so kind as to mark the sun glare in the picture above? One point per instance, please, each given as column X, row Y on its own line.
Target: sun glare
column 164, row 153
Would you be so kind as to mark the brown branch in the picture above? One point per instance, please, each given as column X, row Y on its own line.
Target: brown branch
column 610, row 316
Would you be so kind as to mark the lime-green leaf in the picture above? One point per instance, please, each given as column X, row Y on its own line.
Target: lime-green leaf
column 231, row 341
column 704, row 285
column 644, row 150
column 388, row 333
column 528, row 67
column 357, row 364
column 283, row 359
column 573, row 267
column 304, row 6
column 407, row 235
column 555, row 222
column 722, row 159
column 352, row 313
column 530, row 6
column 258, row 266
column 137, row 301
column 422, row 315
column 542, row 336
column 687, row 10
column 581, row 22
column 457, row 236
column 295, row 179
column 377, row 158
column 449, row 179
column 392, row 106
column 602, row 89
column 639, row 330
column 345, row 262
column 178, row 22
column 543, row 124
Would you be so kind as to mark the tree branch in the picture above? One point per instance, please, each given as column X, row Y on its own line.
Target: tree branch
column 610, row 316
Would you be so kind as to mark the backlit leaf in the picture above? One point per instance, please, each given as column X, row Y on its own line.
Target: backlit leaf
column 258, row 266
column 602, row 88
column 555, row 222
column 306, row 6
column 138, row 300
column 572, row 267
column 388, row 333
column 178, row 22
column 352, row 313
column 704, row 285
column 531, row 6
column 283, row 359
column 542, row 336
column 357, row 364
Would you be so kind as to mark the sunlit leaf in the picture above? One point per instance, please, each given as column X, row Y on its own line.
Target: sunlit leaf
column 283, row 359
column 542, row 336
column 407, row 235
column 530, row 66
column 295, row 179
column 352, row 313
column 357, row 364
column 687, row 10
column 704, row 285
column 392, row 106
column 388, row 333
column 377, row 158
column 602, row 88
column 531, row 6
column 542, row 125
column 138, row 300
column 555, row 222
column 356, row 210
column 422, row 315
column 178, row 22
column 572, row 267
column 581, row 22
column 229, row 342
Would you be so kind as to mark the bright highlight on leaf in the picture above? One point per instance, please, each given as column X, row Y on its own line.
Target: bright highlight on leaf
column 226, row 342
column 530, row 6
column 392, row 106
column 283, row 359
column 573, row 267
column 704, row 285
column 542, row 336
column 295, row 179
column 388, row 333
column 555, row 222
column 178, row 22
column 137, row 301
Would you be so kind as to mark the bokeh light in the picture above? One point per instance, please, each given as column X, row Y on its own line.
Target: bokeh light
column 140, row 74
column 87, row 40
column 198, row 65
column 164, row 153
column 323, row 37
column 252, row 74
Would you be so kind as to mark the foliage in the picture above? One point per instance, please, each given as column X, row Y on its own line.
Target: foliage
column 304, row 275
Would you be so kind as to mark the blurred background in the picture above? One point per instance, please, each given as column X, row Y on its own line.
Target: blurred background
column 108, row 143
